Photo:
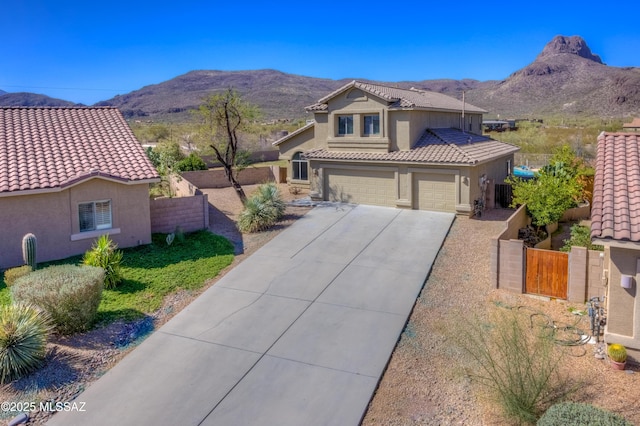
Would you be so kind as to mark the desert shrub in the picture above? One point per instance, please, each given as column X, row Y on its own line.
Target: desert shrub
column 12, row 274
column 581, row 237
column 23, row 339
column 518, row 362
column 69, row 294
column 577, row 414
column 104, row 254
column 270, row 194
column 191, row 163
column 262, row 210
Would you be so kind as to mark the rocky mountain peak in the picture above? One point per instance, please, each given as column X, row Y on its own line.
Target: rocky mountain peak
column 574, row 45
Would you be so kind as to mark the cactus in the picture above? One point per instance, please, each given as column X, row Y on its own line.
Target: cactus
column 617, row 353
column 29, row 248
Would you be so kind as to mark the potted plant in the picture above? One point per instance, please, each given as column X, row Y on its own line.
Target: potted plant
column 617, row 355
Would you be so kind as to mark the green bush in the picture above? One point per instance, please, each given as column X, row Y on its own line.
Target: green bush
column 23, row 340
column 517, row 362
column 262, row 210
column 104, row 254
column 69, row 294
column 191, row 163
column 12, row 274
column 580, row 237
column 577, row 414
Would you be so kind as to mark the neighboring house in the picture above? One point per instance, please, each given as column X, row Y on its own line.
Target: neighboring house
column 381, row 145
column 615, row 223
column 69, row 175
column 634, row 126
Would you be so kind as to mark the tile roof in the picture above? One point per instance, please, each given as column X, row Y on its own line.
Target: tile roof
column 401, row 98
column 54, row 147
column 435, row 146
column 635, row 124
column 615, row 213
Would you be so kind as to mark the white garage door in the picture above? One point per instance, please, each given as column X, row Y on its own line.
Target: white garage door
column 434, row 191
column 361, row 187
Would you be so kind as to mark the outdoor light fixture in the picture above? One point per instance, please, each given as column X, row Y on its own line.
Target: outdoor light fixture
column 626, row 281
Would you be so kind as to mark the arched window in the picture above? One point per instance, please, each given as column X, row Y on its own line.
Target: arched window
column 300, row 167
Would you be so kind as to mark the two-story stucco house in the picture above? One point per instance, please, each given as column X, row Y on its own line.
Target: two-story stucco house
column 69, row 175
column 381, row 145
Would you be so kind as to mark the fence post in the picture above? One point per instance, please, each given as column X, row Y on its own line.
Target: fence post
column 577, row 285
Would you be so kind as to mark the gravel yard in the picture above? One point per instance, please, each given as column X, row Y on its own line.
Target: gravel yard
column 425, row 382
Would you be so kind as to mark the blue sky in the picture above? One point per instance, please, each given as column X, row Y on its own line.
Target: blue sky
column 86, row 51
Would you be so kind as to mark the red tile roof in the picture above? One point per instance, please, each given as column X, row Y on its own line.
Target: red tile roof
column 615, row 213
column 401, row 98
column 54, row 147
column 635, row 124
column 436, row 146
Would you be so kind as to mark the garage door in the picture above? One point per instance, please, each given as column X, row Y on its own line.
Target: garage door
column 434, row 191
column 361, row 187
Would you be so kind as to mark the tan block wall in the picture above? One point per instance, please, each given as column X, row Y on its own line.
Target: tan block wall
column 218, row 179
column 189, row 213
column 585, row 275
column 511, row 265
column 516, row 221
column 53, row 218
column 181, row 187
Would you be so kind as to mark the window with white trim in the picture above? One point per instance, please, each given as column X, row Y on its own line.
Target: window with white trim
column 95, row 215
column 371, row 124
column 300, row 167
column 345, row 125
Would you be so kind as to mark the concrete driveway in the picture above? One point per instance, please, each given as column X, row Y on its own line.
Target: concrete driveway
column 299, row 333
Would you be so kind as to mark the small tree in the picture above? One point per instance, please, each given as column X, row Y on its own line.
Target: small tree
column 547, row 197
column 222, row 116
column 556, row 188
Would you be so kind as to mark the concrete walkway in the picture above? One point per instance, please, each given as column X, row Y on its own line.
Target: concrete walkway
column 299, row 333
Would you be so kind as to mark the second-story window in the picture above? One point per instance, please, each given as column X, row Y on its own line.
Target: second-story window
column 371, row 125
column 345, row 125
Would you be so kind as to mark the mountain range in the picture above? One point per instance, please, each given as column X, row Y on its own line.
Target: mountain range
column 566, row 78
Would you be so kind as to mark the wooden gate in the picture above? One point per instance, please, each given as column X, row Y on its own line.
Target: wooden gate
column 547, row 273
column 504, row 195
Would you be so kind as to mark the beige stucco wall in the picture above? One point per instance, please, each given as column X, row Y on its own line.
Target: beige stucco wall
column 357, row 103
column 623, row 308
column 302, row 142
column 495, row 171
column 53, row 218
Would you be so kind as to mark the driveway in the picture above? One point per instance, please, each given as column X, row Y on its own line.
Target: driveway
column 299, row 333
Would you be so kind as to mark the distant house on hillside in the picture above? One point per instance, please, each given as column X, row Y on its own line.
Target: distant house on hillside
column 634, row 126
column 69, row 175
column 381, row 145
